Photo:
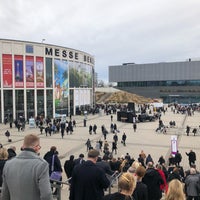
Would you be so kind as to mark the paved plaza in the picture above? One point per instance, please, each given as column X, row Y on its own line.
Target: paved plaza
column 145, row 138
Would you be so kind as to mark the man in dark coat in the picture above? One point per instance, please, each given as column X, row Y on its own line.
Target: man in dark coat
column 88, row 180
column 124, row 139
column 49, row 156
column 104, row 164
column 191, row 157
column 178, row 158
column 153, row 180
column 69, row 166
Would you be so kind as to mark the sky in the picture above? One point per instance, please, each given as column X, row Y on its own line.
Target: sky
column 113, row 31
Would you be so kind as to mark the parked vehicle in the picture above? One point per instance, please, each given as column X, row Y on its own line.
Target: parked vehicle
column 145, row 117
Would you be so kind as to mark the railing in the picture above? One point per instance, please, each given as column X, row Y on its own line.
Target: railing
column 58, row 186
column 114, row 179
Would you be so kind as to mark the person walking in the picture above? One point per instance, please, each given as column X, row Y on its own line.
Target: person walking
column 134, row 127
column 153, row 180
column 95, row 129
column 88, row 144
column 115, row 138
column 191, row 157
column 114, row 147
column 124, row 139
column 29, row 171
column 88, row 180
column 69, row 166
column 90, row 129
column 178, row 158
column 187, row 130
column 192, row 185
column 54, row 163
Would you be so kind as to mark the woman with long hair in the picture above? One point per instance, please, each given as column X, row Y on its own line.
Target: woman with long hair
column 175, row 191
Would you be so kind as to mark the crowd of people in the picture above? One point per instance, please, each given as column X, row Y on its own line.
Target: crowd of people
column 140, row 178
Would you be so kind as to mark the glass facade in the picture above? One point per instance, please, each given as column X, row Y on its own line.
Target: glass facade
column 19, row 100
column 159, row 83
column 80, row 75
column 49, row 103
column 40, row 80
column 40, row 102
column 49, row 75
column 30, row 103
column 8, row 103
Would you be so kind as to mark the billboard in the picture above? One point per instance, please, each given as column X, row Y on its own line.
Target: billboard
column 19, row 75
column 29, row 71
column 39, row 72
column 7, row 70
column 61, row 82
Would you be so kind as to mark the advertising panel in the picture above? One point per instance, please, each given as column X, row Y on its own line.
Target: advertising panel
column 61, row 85
column 7, row 70
column 29, row 72
column 174, row 144
column 39, row 72
column 19, row 75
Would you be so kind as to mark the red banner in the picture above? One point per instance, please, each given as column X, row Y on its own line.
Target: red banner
column 29, row 71
column 19, row 74
column 7, row 70
column 39, row 72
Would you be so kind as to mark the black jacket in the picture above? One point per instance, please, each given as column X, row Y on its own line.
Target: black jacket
column 57, row 165
column 140, row 192
column 116, row 196
column 88, row 182
column 153, row 180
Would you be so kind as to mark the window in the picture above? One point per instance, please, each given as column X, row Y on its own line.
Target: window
column 29, row 48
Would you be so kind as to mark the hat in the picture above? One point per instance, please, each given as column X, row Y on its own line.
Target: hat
column 93, row 153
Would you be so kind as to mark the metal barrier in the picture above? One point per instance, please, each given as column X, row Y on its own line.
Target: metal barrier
column 114, row 178
column 58, row 186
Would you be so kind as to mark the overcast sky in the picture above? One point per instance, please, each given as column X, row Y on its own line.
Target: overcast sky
column 114, row 31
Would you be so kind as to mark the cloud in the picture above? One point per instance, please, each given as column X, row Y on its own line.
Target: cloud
column 113, row 31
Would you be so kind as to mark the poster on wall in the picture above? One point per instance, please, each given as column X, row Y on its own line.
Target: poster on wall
column 81, row 97
column 61, row 85
column 80, row 75
column 7, row 70
column 19, row 76
column 39, row 72
column 29, row 72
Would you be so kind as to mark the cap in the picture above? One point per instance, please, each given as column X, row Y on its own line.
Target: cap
column 93, row 153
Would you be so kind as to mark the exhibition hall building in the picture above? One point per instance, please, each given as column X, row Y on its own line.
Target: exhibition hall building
column 39, row 79
column 173, row 82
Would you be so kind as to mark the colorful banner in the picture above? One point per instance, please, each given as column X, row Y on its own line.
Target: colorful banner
column 61, row 84
column 7, row 70
column 29, row 71
column 39, row 72
column 19, row 75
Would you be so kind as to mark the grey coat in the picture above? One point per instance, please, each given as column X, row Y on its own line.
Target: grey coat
column 192, row 184
column 26, row 177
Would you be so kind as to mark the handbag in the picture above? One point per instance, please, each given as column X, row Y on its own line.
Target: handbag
column 55, row 175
